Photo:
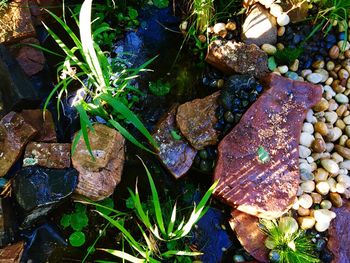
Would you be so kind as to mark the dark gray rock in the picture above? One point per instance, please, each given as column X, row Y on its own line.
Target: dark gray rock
column 16, row 90
column 39, row 190
column 8, row 222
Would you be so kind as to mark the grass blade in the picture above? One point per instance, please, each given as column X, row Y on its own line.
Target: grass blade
column 123, row 255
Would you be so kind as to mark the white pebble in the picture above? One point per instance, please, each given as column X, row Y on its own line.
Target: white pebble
column 322, row 188
column 306, row 139
column 283, row 19
column 305, row 201
column 269, row 49
column 330, row 165
column 304, row 152
column 308, row 127
column 314, row 78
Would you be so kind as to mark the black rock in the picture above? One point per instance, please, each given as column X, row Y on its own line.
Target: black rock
column 41, row 243
column 39, row 190
column 16, row 91
column 8, row 222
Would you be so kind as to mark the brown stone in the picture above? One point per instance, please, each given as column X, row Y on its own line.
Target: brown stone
column 99, row 177
column 297, row 10
column 16, row 23
column 259, row 27
column 31, row 59
column 49, row 155
column 339, row 234
column 249, row 235
column 196, row 120
column 343, row 151
column 176, row 154
column 46, row 127
column 318, row 145
column 15, row 133
column 266, row 189
column 232, row 57
column 12, row 253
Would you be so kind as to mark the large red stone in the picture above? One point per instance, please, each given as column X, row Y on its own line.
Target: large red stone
column 339, row 234
column 274, row 123
column 250, row 235
column 15, row 133
column 176, row 154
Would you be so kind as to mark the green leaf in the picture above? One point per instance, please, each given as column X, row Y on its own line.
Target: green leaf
column 77, row 239
column 65, row 220
column 79, row 221
column 133, row 14
column 109, row 203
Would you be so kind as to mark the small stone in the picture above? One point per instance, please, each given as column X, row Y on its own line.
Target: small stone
column 305, row 201
column 318, row 64
column 276, row 10
column 308, row 186
column 334, row 52
column 318, row 146
column 346, row 120
column 306, row 72
column 332, row 184
column 340, row 188
column 337, row 158
column 340, row 124
column 283, row 69
column 324, row 73
column 295, row 65
column 316, row 198
column 341, row 45
column 345, row 179
column 322, row 226
column 331, row 117
column 314, row 78
column 345, row 164
column 330, row 165
column 326, row 204
column 306, row 175
column 343, row 151
column 322, row 188
column 336, row 199
column 306, row 139
column 341, row 110
column 321, row 128
column 281, row 30
column 321, row 175
column 341, row 98
column 303, row 212
column 283, row 19
column 269, row 49
column 219, row 28
column 304, row 152
column 343, row 74
column 306, row 222
column 231, row 26
column 310, row 116
column 308, row 127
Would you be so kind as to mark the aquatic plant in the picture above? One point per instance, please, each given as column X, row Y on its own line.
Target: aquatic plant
column 159, row 87
column 104, row 92
column 203, row 12
column 288, row 244
column 159, row 236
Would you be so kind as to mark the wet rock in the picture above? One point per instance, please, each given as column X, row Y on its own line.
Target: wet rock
column 14, row 135
column 16, row 22
column 196, row 120
column 211, row 237
column 259, row 27
column 266, row 187
column 176, row 154
column 16, row 90
column 99, row 177
column 12, row 253
column 46, row 127
column 8, row 222
column 39, row 190
column 49, row 155
column 250, row 235
column 339, row 234
column 31, row 59
column 42, row 242
column 232, row 57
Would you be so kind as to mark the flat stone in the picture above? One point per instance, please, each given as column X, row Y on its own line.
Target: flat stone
column 196, row 120
column 250, row 235
column 39, row 190
column 339, row 234
column 16, row 22
column 15, row 133
column 49, row 155
column 31, row 59
column 175, row 152
column 267, row 188
column 12, row 253
column 259, row 27
column 16, row 91
column 46, row 127
column 232, row 57
column 99, row 177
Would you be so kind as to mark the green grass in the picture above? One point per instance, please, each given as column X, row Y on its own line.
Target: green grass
column 287, row 243
column 103, row 91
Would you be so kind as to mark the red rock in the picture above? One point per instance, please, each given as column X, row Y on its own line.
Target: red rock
column 196, row 120
column 12, row 253
column 46, row 128
column 49, row 155
column 176, row 154
column 99, row 177
column 16, row 22
column 232, row 57
column 249, row 234
column 274, row 123
column 15, row 133
column 31, row 59
column 339, row 234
